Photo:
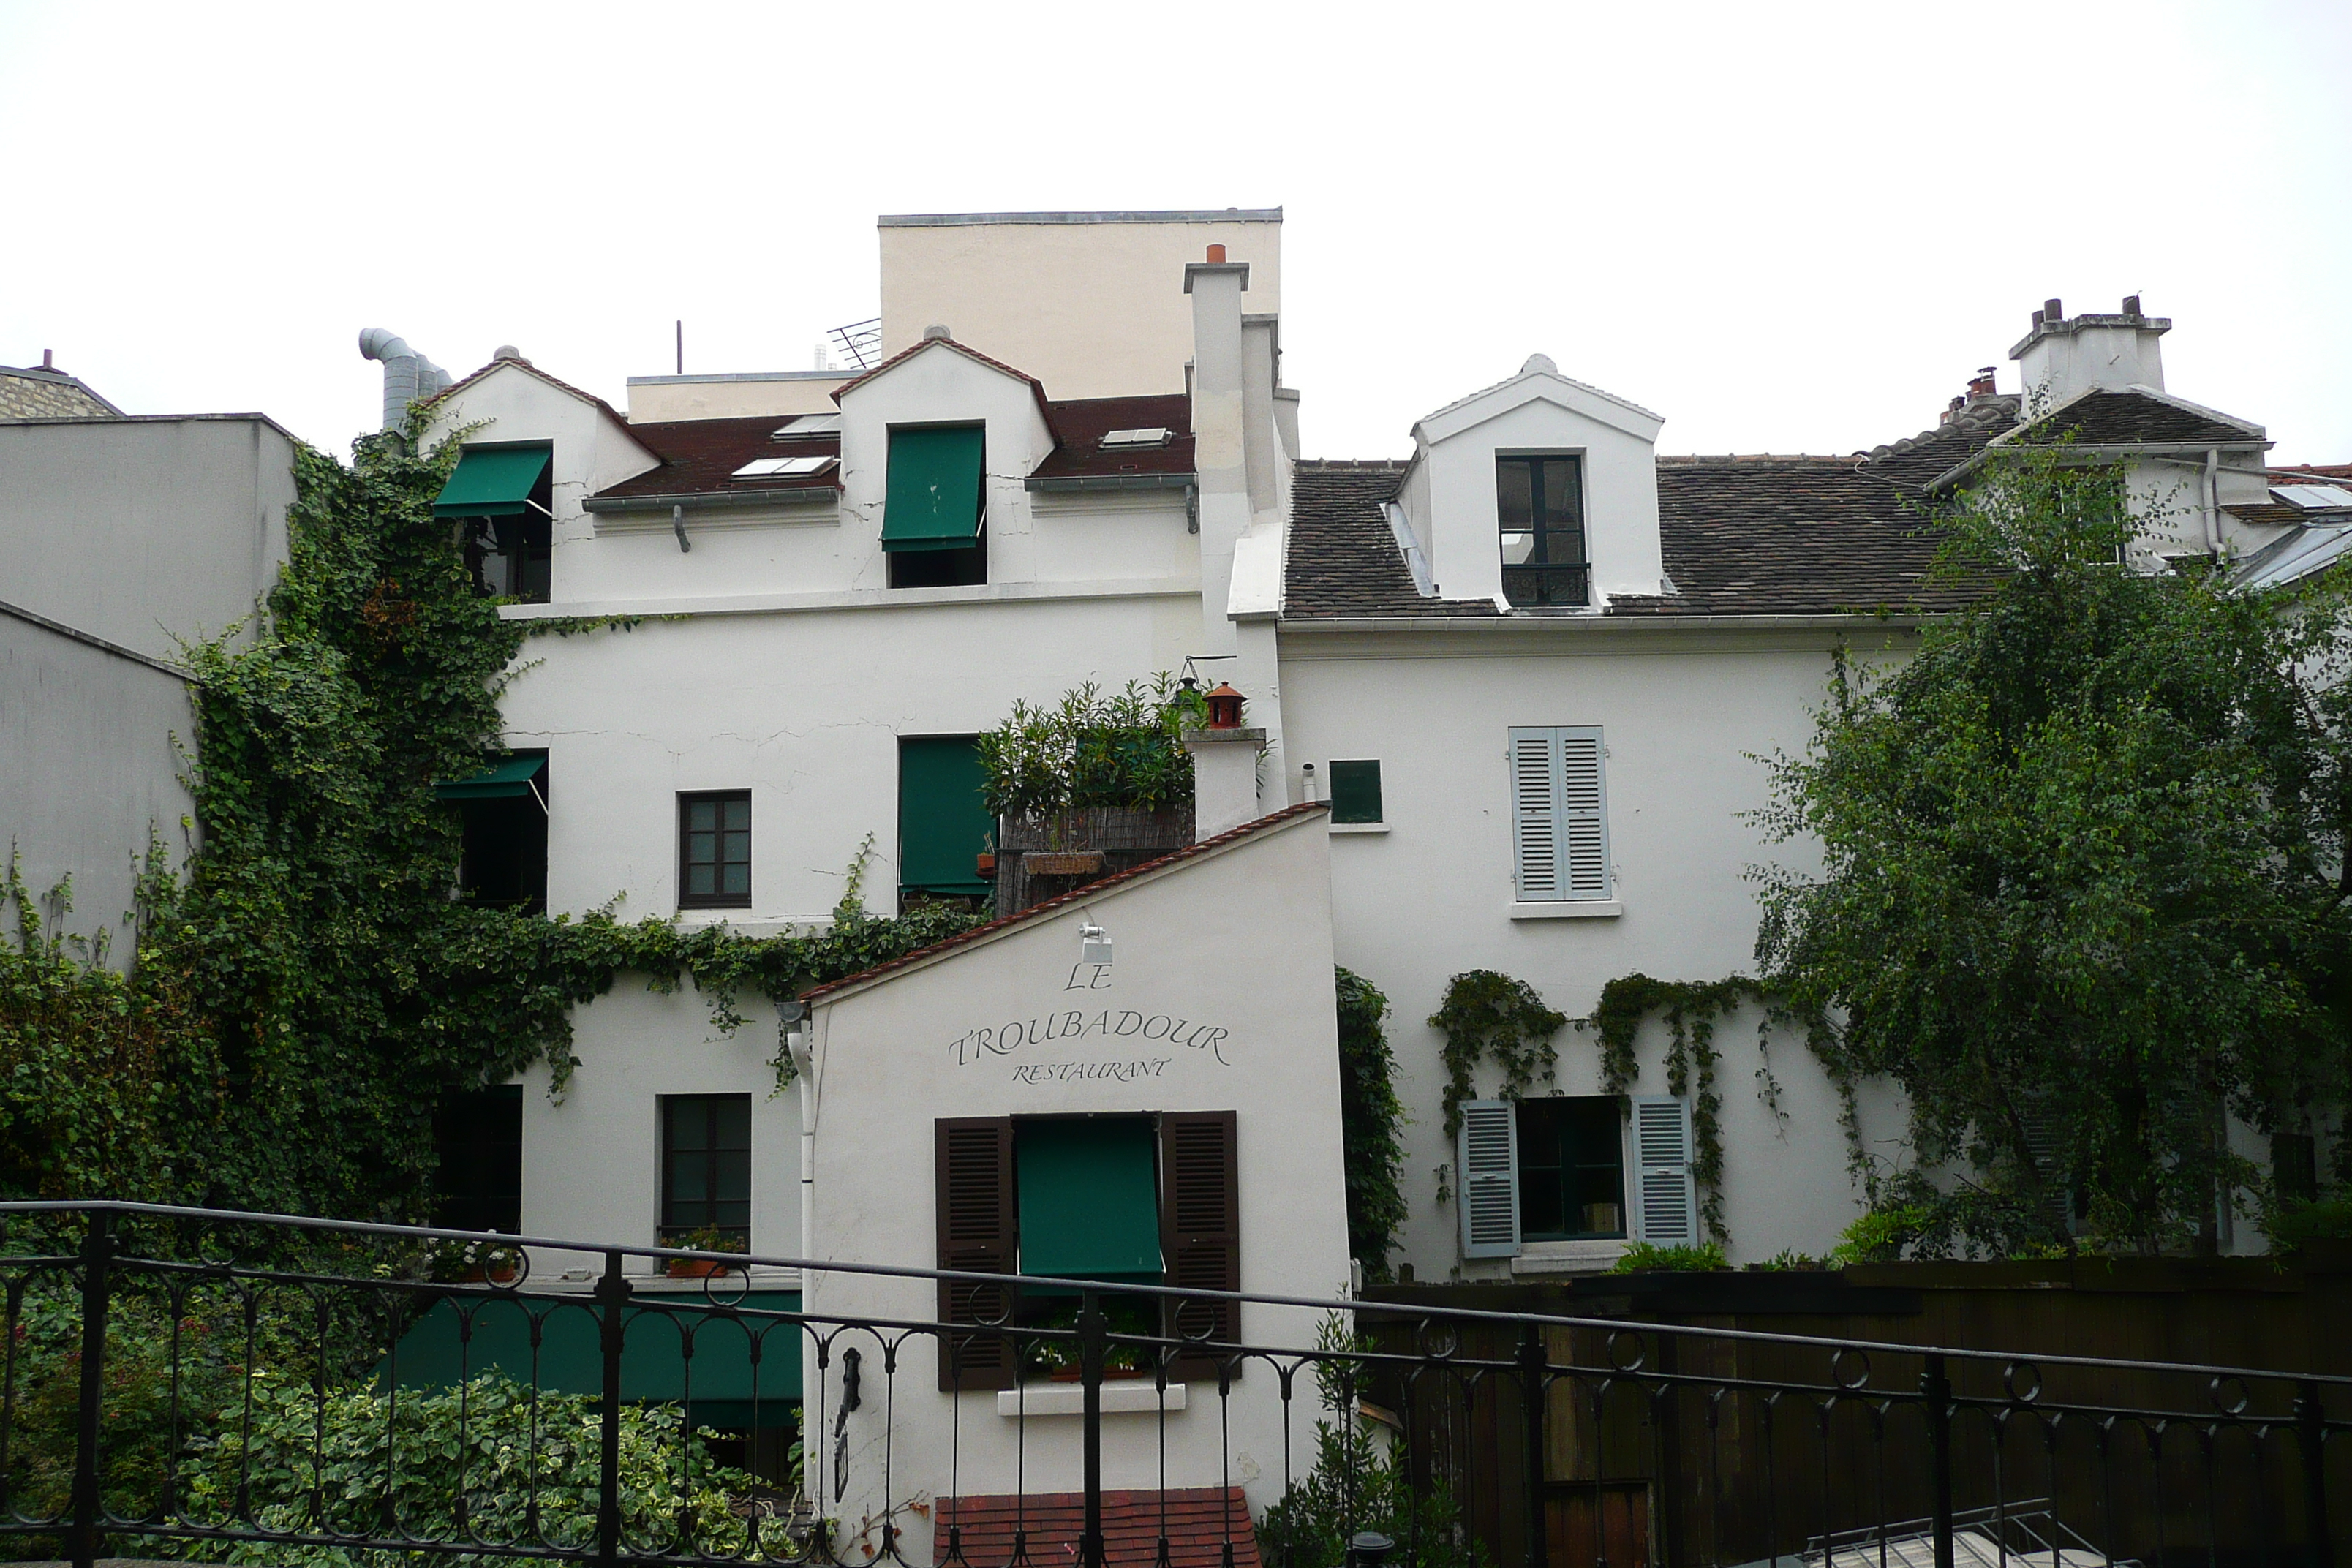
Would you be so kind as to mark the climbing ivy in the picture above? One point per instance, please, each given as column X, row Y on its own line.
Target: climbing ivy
column 1371, row 1124
column 306, row 990
column 1487, row 1015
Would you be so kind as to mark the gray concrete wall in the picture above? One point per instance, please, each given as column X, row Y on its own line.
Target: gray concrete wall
column 87, row 767
column 143, row 531
column 119, row 540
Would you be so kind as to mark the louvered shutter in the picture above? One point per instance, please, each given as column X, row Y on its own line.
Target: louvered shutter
column 977, row 1231
column 1665, row 1200
column 1534, row 824
column 1201, row 1226
column 1489, row 1163
column 1582, row 817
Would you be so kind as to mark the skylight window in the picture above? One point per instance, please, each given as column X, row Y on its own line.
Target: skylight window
column 808, row 424
column 2315, row 498
column 1136, row 440
column 784, row 468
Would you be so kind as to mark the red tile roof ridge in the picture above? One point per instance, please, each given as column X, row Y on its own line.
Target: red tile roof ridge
column 560, row 385
column 911, row 350
column 1064, row 901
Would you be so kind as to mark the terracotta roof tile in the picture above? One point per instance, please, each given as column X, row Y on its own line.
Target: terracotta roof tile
column 1062, row 901
column 1197, row 1520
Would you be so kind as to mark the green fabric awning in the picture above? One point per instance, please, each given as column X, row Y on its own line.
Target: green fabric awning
column 1089, row 1197
column 943, row 823
column 491, row 481
column 933, row 499
column 654, row 1363
column 507, row 779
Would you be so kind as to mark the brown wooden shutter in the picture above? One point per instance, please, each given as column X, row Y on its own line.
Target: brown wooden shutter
column 978, row 1231
column 1201, row 1226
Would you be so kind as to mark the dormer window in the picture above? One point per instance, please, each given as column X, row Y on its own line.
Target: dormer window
column 1540, row 503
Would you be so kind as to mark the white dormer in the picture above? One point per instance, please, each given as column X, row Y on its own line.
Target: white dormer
column 928, row 414
column 1540, row 494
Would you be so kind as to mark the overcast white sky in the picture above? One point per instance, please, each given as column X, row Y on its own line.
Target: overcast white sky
column 1785, row 227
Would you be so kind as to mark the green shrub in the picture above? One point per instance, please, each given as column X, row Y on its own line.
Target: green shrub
column 1092, row 750
column 1642, row 1258
column 2296, row 1224
column 1880, row 1236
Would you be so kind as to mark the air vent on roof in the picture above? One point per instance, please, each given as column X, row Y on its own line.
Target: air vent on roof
column 807, row 424
column 783, row 468
column 1134, row 440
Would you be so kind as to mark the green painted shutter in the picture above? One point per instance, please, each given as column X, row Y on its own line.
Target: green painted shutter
column 1089, row 1198
column 1356, row 792
column 943, row 824
column 934, row 496
column 491, row 481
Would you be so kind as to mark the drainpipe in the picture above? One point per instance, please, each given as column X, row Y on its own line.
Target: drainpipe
column 678, row 526
column 797, row 1041
column 2213, row 501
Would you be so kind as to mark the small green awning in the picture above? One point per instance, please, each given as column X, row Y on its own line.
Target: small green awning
column 722, row 1390
column 933, row 501
column 508, row 779
column 1089, row 1197
column 491, row 481
column 943, row 821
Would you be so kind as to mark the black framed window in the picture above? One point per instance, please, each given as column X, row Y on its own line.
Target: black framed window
column 714, row 850
column 1540, row 507
column 1572, row 1168
column 706, row 1182
column 1355, row 791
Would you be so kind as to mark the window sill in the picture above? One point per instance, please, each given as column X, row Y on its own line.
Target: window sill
column 1120, row 1396
column 1340, row 827
column 1568, row 909
column 1568, row 1256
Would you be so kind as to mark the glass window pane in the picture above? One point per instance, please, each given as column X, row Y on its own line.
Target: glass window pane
column 731, row 1177
column 735, row 846
column 702, row 813
column 1518, row 547
column 701, row 846
column 735, row 1121
column 739, row 814
column 735, row 878
column 1514, row 493
column 702, row 881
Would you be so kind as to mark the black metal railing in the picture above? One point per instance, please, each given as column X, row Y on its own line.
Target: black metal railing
column 196, row 1382
column 1554, row 585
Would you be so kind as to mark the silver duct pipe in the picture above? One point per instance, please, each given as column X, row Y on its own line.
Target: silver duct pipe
column 407, row 374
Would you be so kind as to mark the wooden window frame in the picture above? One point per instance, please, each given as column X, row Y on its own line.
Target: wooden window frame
column 1575, row 568
column 670, row 1228
column 687, row 800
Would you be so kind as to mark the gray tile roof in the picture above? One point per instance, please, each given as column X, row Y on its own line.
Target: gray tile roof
column 1742, row 535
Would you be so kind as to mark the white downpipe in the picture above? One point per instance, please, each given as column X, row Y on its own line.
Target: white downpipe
column 2213, row 501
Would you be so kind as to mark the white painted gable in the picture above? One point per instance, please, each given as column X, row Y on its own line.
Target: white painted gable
column 1450, row 502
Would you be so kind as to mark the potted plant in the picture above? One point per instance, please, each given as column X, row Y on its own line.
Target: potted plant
column 986, row 865
column 1056, row 1360
column 707, row 1238
column 475, row 1262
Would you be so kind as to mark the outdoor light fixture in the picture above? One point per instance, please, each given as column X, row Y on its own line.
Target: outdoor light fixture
column 1094, row 944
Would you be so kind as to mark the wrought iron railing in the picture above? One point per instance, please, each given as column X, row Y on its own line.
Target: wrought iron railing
column 201, row 1382
column 1557, row 585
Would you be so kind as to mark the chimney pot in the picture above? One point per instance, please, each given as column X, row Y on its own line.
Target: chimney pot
column 2037, row 318
column 1225, row 708
column 935, row 330
column 2053, row 311
column 2131, row 304
column 46, row 363
column 1216, row 254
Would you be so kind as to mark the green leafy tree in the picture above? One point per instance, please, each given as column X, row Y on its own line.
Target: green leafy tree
column 2083, row 885
column 1372, row 1123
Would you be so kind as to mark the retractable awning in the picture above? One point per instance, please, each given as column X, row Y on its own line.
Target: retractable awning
column 506, row 779
column 933, row 498
column 1089, row 1198
column 491, row 481
column 677, row 1345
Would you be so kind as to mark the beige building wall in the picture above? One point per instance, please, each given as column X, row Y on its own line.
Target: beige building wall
column 1092, row 304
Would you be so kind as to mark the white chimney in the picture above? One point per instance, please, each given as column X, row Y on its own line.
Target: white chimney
column 1219, row 418
column 1224, row 767
column 2061, row 358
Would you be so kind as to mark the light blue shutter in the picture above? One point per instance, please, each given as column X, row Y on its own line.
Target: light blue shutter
column 1489, row 1164
column 1535, row 825
column 1665, row 1200
column 1583, row 815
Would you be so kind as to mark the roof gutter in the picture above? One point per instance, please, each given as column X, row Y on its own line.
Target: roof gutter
column 1109, row 482
column 2191, row 452
column 809, row 495
column 1588, row 626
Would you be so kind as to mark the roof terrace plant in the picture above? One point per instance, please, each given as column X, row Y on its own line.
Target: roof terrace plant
column 1091, row 749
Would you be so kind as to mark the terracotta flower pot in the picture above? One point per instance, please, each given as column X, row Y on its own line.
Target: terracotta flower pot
column 697, row 1268
column 986, row 865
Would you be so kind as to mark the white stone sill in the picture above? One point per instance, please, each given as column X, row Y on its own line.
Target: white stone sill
column 1352, row 827
column 1120, row 1396
column 1568, row 1257
column 1568, row 909
column 858, row 599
